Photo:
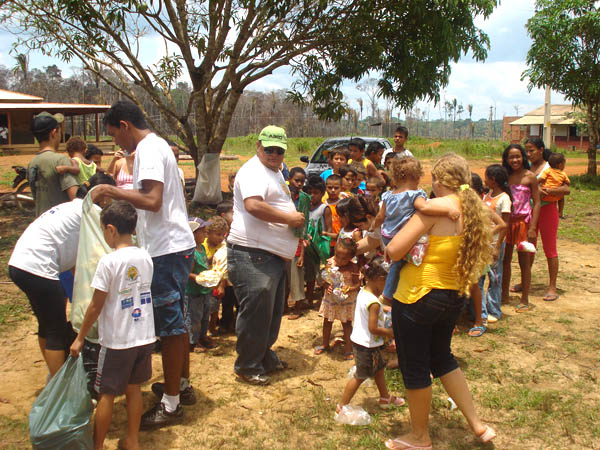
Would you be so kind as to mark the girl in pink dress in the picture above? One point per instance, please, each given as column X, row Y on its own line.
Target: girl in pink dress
column 342, row 282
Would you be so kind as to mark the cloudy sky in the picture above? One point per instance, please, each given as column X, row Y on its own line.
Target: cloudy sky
column 496, row 82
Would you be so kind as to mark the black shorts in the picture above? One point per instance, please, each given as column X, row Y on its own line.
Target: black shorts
column 47, row 300
column 368, row 361
column 118, row 368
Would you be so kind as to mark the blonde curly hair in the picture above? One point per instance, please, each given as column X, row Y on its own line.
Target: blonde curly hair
column 405, row 167
column 475, row 251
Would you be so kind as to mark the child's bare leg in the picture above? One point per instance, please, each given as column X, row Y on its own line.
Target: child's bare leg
column 310, row 292
column 134, row 415
column 561, row 207
column 327, row 325
column 380, row 382
column 347, row 326
column 525, row 265
column 104, row 411
column 506, row 272
column 349, row 391
column 212, row 324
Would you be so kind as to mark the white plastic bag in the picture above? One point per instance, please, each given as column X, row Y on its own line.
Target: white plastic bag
column 352, row 415
column 208, row 184
column 352, row 372
column 90, row 249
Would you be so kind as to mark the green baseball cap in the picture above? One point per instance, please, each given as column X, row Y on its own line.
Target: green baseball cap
column 272, row 136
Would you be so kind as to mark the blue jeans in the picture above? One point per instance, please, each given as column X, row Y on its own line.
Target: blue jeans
column 258, row 278
column 197, row 314
column 391, row 281
column 423, row 331
column 492, row 300
column 169, row 279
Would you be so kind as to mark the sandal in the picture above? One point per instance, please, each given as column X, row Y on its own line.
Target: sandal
column 522, row 308
column 550, row 297
column 320, row 349
column 348, row 356
column 487, row 435
column 399, row 444
column 294, row 316
column 516, row 288
column 385, row 403
column 476, row 331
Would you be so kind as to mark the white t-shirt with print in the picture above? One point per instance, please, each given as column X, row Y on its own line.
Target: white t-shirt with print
column 360, row 326
column 254, row 179
column 404, row 152
column 48, row 246
column 501, row 204
column 127, row 318
column 166, row 231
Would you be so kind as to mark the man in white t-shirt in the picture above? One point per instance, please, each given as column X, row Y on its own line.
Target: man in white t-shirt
column 400, row 138
column 259, row 242
column 163, row 230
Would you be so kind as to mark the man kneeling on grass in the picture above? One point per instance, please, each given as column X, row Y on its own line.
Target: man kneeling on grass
column 122, row 304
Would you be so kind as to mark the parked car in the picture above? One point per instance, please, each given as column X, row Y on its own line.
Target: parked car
column 317, row 163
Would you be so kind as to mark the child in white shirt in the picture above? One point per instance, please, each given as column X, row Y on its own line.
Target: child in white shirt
column 122, row 304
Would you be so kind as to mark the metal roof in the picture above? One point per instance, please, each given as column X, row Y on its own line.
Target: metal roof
column 559, row 115
column 68, row 109
column 18, row 97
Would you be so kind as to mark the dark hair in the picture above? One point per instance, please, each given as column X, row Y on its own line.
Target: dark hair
column 334, row 177
column 355, row 209
column 224, row 207
column 357, row 142
column 339, row 150
column 374, row 147
column 125, row 110
column 295, row 170
column 348, row 244
column 345, row 169
column 120, row 214
column 388, row 156
column 402, row 130
column 539, row 143
column 477, row 183
column 499, row 174
column 376, row 181
column 556, row 159
column 374, row 269
column 43, row 136
column 505, row 164
column 314, row 182
column 93, row 150
column 94, row 180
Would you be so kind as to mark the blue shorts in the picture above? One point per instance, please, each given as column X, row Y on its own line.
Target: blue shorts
column 168, row 289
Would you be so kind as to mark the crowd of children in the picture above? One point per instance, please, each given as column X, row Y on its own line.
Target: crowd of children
column 362, row 194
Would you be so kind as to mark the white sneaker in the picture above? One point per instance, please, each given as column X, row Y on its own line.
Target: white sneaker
column 492, row 319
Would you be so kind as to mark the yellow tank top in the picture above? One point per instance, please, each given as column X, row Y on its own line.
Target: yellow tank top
column 435, row 272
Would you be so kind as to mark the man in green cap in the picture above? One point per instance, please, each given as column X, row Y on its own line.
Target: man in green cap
column 47, row 186
column 259, row 242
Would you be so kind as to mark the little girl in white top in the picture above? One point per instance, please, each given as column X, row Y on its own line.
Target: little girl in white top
column 368, row 338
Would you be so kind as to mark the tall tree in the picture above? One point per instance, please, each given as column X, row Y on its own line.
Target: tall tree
column 223, row 46
column 565, row 55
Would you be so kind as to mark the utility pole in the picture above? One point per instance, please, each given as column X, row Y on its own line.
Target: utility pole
column 547, row 124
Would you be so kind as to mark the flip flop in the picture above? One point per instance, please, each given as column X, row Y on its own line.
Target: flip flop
column 294, row 316
column 476, row 331
column 487, row 435
column 399, row 444
column 516, row 288
column 551, row 297
column 522, row 308
column 320, row 349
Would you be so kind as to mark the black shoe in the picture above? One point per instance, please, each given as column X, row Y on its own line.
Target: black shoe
column 256, row 380
column 158, row 417
column 187, row 397
column 281, row 365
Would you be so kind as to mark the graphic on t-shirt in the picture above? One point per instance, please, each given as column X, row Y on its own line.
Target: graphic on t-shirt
column 132, row 273
column 286, row 189
column 136, row 314
column 145, row 297
column 127, row 303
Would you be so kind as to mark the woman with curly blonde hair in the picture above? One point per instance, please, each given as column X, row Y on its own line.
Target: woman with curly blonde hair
column 429, row 298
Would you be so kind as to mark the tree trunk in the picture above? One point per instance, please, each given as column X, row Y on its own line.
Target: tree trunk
column 208, row 182
column 593, row 113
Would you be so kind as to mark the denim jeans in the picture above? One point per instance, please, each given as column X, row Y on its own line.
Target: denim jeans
column 258, row 278
column 197, row 314
column 423, row 331
column 391, row 280
column 492, row 299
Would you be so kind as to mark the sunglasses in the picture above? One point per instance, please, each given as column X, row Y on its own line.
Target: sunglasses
column 271, row 150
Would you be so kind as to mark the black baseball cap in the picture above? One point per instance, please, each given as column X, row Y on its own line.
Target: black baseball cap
column 45, row 121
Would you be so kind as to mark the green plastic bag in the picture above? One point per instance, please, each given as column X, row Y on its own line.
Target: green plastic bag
column 304, row 208
column 60, row 416
column 318, row 247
